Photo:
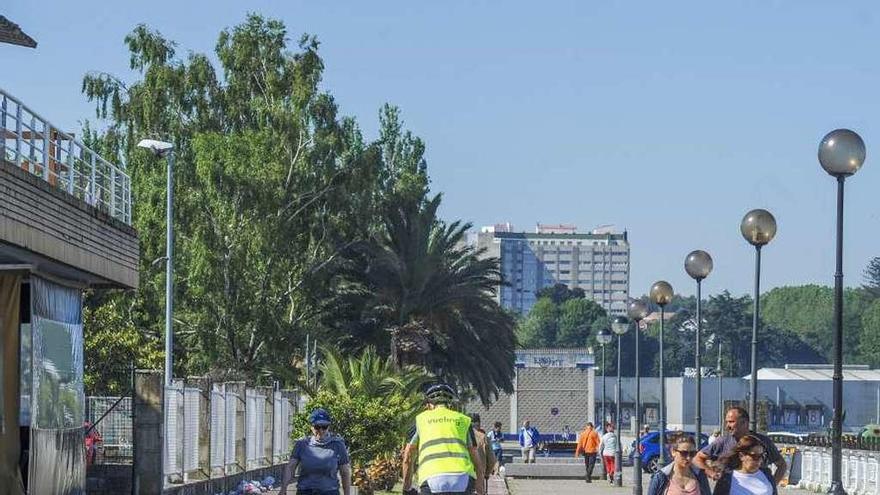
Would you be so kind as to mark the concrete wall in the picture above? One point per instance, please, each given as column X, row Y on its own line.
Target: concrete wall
column 550, row 398
column 42, row 225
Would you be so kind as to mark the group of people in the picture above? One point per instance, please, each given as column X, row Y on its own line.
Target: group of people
column 455, row 455
column 740, row 461
column 591, row 445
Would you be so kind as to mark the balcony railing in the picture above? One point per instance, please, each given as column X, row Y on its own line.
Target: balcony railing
column 33, row 144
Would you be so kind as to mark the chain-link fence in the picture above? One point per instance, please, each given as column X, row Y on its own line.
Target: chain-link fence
column 112, row 420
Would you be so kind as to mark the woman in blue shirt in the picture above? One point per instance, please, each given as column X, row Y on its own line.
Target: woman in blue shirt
column 321, row 458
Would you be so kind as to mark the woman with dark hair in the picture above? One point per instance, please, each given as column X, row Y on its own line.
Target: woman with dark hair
column 743, row 473
column 680, row 477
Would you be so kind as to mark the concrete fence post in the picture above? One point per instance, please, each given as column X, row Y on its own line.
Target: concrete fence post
column 240, row 391
column 149, row 396
column 268, row 427
column 204, row 443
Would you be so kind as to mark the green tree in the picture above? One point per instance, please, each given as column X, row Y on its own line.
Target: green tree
column 271, row 187
column 112, row 346
column 559, row 293
column 808, row 310
column 418, row 281
column 576, row 320
column 871, row 276
column 869, row 340
column 539, row 327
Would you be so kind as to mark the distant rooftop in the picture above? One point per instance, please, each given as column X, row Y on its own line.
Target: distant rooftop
column 11, row 33
column 853, row 372
column 553, row 231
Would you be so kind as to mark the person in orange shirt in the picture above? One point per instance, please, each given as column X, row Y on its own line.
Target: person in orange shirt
column 588, row 445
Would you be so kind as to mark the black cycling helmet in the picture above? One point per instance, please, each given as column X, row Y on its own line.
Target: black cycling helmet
column 441, row 394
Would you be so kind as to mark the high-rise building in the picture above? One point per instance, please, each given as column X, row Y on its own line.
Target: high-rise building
column 596, row 262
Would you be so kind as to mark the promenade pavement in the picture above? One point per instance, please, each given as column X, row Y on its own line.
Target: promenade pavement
column 579, row 487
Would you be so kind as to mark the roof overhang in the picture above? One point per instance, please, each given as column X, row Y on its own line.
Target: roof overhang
column 11, row 33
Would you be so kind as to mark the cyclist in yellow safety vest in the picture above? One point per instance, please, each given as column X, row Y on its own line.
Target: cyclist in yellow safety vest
column 445, row 445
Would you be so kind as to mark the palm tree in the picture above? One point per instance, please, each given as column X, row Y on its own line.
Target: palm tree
column 434, row 294
column 368, row 375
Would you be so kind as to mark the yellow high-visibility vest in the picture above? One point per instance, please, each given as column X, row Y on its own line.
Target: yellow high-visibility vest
column 443, row 443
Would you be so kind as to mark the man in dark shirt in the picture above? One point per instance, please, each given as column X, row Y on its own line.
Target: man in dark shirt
column 737, row 424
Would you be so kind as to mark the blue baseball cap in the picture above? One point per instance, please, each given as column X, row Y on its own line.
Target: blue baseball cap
column 320, row 417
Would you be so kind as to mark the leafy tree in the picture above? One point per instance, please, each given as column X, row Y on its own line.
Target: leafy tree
column 113, row 346
column 559, row 293
column 728, row 319
column 271, row 187
column 418, row 281
column 808, row 312
column 539, row 327
column 869, row 339
column 872, row 277
column 576, row 320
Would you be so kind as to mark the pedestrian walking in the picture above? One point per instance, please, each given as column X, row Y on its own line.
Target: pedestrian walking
column 485, row 455
column 528, row 441
column 680, row 477
column 445, row 445
column 322, row 459
column 608, row 447
column 496, row 436
column 736, row 422
column 745, row 472
column 588, row 446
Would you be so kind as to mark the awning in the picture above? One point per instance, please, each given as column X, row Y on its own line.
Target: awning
column 11, row 33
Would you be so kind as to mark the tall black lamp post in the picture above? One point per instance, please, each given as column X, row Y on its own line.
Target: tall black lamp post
column 661, row 295
column 698, row 265
column 841, row 154
column 637, row 311
column 619, row 325
column 758, row 227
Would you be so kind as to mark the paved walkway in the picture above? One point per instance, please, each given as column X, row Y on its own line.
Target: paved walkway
column 579, row 487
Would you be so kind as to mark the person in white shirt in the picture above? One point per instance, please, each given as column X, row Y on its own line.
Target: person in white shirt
column 744, row 473
column 608, row 448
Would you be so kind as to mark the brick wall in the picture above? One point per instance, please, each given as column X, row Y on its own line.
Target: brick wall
column 50, row 223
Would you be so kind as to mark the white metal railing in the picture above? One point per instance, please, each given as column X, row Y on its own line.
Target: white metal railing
column 187, row 413
column 32, row 143
column 859, row 470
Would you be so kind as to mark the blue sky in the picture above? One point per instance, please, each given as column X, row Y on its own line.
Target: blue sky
column 669, row 119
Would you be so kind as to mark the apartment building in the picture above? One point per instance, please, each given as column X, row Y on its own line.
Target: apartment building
column 597, row 262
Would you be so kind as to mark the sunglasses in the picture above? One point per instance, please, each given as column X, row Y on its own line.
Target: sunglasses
column 753, row 455
column 687, row 453
column 320, row 427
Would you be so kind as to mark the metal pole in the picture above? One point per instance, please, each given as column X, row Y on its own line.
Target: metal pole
column 618, row 455
column 698, row 419
column 720, row 388
column 603, row 388
column 837, row 421
column 753, row 382
column 637, row 457
column 169, row 270
column 662, row 395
